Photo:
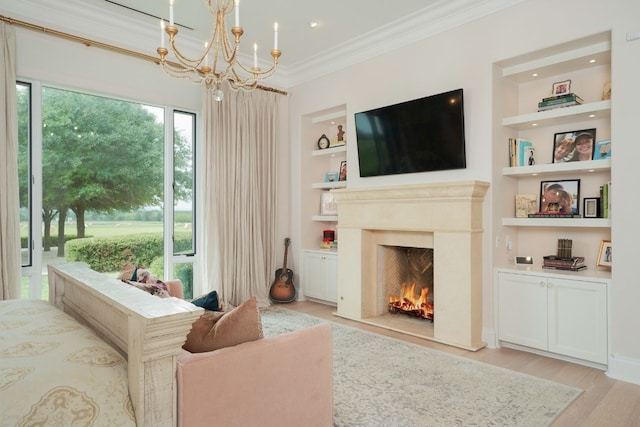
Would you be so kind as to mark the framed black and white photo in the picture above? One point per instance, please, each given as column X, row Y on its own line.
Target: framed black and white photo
column 604, row 255
column 591, row 207
column 561, row 88
column 560, row 197
column 573, row 146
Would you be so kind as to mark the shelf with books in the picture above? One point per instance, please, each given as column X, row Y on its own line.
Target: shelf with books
column 603, row 165
column 558, row 116
column 558, row 222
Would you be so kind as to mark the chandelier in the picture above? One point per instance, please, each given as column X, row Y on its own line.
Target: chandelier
column 219, row 61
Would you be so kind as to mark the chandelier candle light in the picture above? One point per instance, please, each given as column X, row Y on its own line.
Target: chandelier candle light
column 221, row 48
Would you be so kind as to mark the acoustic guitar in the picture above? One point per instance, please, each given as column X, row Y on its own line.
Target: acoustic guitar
column 282, row 289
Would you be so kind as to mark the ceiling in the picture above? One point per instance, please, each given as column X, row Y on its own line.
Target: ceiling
column 348, row 31
column 338, row 21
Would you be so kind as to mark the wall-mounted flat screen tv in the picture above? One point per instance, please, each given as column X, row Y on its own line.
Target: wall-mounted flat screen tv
column 421, row 135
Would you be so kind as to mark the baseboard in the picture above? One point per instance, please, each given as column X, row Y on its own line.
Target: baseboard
column 489, row 336
column 624, row 369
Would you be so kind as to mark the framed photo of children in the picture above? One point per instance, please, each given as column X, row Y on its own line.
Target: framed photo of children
column 560, row 197
column 561, row 88
column 604, row 255
column 342, row 176
column 573, row 146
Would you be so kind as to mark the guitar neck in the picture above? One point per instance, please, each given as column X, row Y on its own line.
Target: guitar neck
column 286, row 250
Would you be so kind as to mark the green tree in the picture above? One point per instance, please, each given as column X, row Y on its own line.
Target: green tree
column 99, row 154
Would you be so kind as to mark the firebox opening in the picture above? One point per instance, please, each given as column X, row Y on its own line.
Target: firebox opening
column 407, row 281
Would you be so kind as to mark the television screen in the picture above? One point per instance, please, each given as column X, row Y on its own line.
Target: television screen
column 421, row 135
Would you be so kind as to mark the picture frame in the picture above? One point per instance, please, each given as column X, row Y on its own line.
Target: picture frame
column 331, row 177
column 561, row 88
column 602, row 150
column 327, row 204
column 574, row 145
column 591, row 207
column 560, row 197
column 604, row 254
column 526, row 203
column 342, row 174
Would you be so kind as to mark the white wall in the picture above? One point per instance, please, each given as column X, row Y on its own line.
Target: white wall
column 463, row 57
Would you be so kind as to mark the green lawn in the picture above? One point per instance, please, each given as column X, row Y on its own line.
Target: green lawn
column 117, row 228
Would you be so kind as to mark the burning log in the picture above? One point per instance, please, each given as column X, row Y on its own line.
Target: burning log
column 408, row 304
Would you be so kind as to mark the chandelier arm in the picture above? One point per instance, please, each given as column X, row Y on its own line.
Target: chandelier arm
column 224, row 47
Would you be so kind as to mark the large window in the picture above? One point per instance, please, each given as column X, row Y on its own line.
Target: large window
column 103, row 166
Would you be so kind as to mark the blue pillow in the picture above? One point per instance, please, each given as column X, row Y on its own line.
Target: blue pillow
column 208, row 302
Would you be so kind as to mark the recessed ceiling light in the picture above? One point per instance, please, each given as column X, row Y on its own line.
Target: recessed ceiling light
column 591, row 61
column 534, row 74
column 313, row 24
column 534, row 124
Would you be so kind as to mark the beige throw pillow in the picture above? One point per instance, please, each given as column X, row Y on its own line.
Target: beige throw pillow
column 214, row 329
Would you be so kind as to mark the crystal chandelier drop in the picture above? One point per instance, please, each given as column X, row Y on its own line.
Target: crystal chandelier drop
column 219, row 61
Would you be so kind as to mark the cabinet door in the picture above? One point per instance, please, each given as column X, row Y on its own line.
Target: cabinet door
column 578, row 319
column 331, row 277
column 522, row 310
column 314, row 281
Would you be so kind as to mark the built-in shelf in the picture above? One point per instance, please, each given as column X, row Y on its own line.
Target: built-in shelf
column 325, row 218
column 333, row 115
column 330, row 150
column 558, row 222
column 558, row 116
column 603, row 165
column 329, row 185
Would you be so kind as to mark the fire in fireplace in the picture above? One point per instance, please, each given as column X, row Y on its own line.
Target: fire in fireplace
column 410, row 304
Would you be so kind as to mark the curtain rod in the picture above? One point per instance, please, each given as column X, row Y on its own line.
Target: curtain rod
column 89, row 43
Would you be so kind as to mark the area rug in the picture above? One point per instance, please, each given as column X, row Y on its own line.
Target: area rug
column 382, row 381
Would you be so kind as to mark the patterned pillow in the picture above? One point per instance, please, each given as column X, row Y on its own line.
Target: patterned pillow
column 214, row 329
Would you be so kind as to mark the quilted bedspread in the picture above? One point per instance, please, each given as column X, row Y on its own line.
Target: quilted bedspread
column 56, row 372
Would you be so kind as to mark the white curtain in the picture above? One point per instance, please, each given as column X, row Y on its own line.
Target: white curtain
column 9, row 196
column 239, row 188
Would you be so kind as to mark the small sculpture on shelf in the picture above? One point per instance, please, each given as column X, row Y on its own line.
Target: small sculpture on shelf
column 341, row 133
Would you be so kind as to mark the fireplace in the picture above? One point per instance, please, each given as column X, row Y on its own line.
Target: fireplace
column 406, row 276
column 446, row 217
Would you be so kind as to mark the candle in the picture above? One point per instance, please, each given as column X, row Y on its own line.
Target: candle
column 170, row 12
column 237, row 4
column 206, row 54
column 161, row 33
column 255, row 55
column 275, row 35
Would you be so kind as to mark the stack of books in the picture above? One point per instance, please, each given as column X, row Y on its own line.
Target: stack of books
column 554, row 262
column 554, row 215
column 521, row 152
column 559, row 102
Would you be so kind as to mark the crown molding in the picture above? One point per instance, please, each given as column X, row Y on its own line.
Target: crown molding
column 434, row 19
column 142, row 33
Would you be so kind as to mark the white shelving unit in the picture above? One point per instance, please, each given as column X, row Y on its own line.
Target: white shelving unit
column 520, row 84
column 319, row 267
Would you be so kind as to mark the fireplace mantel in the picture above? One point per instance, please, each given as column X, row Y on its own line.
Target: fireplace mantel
column 444, row 216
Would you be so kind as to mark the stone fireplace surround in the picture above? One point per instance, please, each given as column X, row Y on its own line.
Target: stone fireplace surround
column 444, row 216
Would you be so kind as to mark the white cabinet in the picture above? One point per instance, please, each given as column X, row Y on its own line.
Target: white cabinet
column 554, row 313
column 320, row 276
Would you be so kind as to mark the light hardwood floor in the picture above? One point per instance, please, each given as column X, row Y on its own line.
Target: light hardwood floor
column 604, row 401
